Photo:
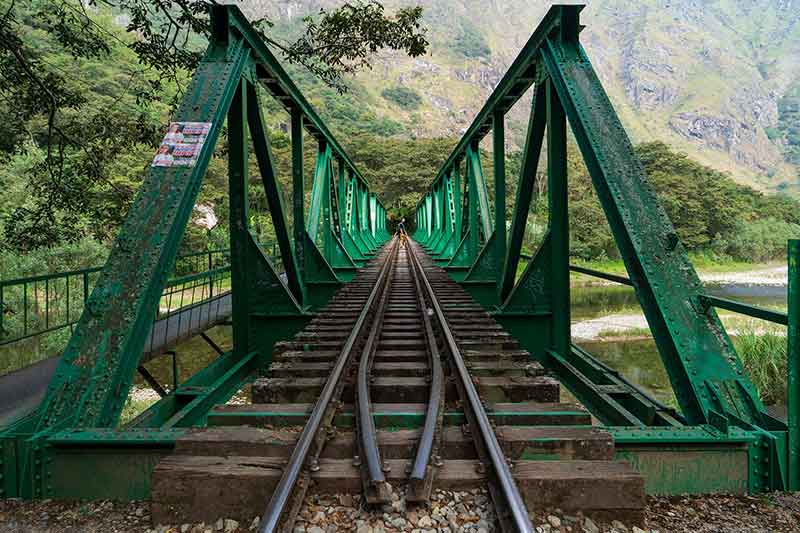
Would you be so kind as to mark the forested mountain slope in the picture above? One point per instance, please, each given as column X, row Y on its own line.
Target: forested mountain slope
column 718, row 79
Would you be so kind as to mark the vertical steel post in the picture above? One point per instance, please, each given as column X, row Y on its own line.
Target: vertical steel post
column 793, row 353
column 457, row 199
column 559, row 221
column 362, row 199
column 373, row 214
column 210, row 268
column 298, row 189
column 446, row 213
column 428, row 218
column 327, row 204
column 437, row 211
column 473, row 206
column 499, row 148
column 239, row 219
column 67, row 298
column 175, row 377
column 342, row 183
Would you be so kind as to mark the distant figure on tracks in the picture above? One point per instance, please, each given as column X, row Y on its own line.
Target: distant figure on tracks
column 401, row 231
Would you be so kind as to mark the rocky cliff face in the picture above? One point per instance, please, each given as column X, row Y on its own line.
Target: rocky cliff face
column 703, row 75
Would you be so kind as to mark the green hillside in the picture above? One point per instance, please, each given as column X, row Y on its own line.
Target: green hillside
column 718, row 80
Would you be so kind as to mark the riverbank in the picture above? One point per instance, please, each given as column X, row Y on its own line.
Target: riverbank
column 626, row 321
column 633, row 326
column 723, row 273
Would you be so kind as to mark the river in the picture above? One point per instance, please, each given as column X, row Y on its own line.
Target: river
column 599, row 311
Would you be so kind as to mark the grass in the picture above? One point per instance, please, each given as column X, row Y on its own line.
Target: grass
column 702, row 262
column 764, row 357
column 627, row 333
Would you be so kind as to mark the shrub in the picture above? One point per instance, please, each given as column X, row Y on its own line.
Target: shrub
column 85, row 253
column 757, row 240
column 402, row 96
column 383, row 127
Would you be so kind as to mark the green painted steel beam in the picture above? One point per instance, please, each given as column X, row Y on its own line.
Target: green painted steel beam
column 317, row 191
column 688, row 460
column 499, row 160
column 745, row 309
column 471, row 251
column 793, row 364
column 705, row 371
column 298, row 190
column 602, row 275
column 238, row 184
column 607, row 394
column 558, row 197
column 481, row 190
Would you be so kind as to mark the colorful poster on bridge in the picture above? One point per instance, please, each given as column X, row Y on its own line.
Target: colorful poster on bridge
column 182, row 144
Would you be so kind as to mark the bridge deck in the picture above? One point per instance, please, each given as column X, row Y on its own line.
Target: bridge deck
column 22, row 391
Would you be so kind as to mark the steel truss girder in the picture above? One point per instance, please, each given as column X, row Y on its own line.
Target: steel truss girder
column 711, row 386
column 321, row 227
column 700, row 359
column 92, row 382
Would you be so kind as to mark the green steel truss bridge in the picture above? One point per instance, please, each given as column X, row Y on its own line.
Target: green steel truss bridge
column 721, row 438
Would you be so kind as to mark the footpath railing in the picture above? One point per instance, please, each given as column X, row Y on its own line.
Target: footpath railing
column 38, row 313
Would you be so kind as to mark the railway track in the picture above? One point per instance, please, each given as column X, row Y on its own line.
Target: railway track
column 401, row 382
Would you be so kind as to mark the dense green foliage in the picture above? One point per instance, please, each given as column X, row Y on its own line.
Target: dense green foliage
column 73, row 172
column 399, row 170
column 347, row 113
column 709, row 210
column 402, row 96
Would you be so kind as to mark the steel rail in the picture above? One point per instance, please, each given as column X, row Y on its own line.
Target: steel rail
column 421, row 477
column 512, row 502
column 291, row 473
column 376, row 488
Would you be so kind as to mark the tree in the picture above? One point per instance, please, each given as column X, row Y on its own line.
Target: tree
column 402, row 96
column 46, row 44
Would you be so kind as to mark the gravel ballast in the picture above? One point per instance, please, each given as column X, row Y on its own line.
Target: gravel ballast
column 469, row 511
